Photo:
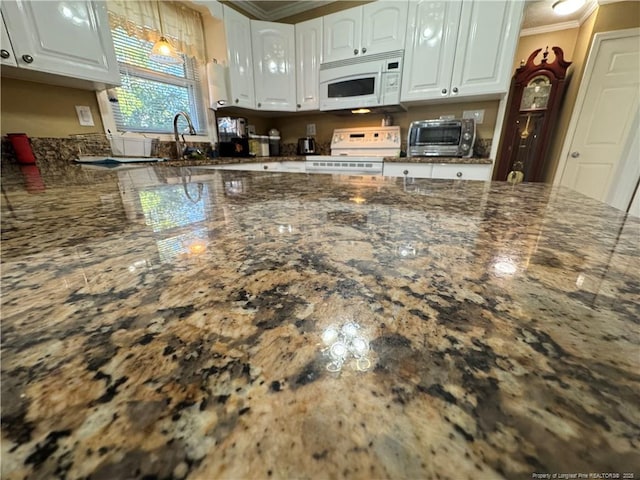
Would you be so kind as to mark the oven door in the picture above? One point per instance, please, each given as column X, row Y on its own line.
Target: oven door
column 351, row 86
column 441, row 134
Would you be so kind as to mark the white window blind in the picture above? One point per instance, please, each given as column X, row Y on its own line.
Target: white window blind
column 152, row 93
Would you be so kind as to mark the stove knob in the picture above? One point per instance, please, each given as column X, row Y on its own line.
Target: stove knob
column 465, row 146
column 466, row 136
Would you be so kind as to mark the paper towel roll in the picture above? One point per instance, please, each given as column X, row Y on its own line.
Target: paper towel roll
column 217, row 79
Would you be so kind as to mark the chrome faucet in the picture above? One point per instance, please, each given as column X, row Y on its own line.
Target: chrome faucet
column 192, row 131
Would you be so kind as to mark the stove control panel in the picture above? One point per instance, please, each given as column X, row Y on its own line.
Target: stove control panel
column 376, row 141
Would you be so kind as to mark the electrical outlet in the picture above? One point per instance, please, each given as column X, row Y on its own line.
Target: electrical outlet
column 84, row 116
column 311, row 129
column 477, row 115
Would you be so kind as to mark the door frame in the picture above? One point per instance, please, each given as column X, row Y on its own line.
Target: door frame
column 598, row 38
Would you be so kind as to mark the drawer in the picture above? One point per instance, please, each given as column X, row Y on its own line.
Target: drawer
column 462, row 171
column 413, row 170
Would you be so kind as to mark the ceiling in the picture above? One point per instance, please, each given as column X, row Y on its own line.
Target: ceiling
column 537, row 13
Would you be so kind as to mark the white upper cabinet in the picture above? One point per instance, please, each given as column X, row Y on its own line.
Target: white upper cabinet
column 376, row 27
column 64, row 38
column 238, row 34
column 7, row 57
column 485, row 49
column 341, row 33
column 432, row 31
column 274, row 65
column 308, row 60
column 384, row 25
column 459, row 48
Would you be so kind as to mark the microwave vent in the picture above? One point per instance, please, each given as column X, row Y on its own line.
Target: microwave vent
column 364, row 59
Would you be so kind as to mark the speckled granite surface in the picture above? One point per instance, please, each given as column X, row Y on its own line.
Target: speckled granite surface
column 166, row 322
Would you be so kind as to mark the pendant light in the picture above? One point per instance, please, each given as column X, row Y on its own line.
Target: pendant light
column 163, row 51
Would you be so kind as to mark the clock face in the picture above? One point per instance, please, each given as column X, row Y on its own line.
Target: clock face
column 535, row 95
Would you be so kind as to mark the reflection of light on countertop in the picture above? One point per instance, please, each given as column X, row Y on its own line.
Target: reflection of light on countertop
column 137, row 265
column 285, row 229
column 406, row 250
column 345, row 342
column 358, row 199
column 580, row 280
column 196, row 248
column 504, row 266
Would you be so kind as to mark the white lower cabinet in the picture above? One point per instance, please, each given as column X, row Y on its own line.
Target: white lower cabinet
column 413, row 170
column 462, row 171
column 66, row 39
column 452, row 171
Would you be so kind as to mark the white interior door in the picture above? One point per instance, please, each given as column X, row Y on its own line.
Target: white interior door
column 606, row 112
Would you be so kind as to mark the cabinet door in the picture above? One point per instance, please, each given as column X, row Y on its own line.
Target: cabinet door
column 430, row 49
column 6, row 53
column 274, row 65
column 62, row 37
column 341, row 33
column 455, row 171
column 486, row 46
column 410, row 170
column 308, row 60
column 238, row 33
column 384, row 24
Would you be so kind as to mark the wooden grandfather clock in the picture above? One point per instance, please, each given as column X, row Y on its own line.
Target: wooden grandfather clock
column 534, row 105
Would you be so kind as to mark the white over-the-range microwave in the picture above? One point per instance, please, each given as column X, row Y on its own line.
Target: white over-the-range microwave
column 363, row 82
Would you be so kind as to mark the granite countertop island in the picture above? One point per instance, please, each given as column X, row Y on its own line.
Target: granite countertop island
column 166, row 322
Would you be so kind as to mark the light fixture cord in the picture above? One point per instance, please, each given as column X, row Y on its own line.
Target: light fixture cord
column 160, row 19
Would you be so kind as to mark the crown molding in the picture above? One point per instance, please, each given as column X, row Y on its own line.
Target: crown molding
column 295, row 9
column 253, row 8
column 591, row 8
column 554, row 27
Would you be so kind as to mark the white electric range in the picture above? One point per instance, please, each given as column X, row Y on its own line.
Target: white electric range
column 357, row 151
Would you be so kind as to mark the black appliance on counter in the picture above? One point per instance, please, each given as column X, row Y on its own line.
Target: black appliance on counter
column 233, row 140
column 236, row 147
column 307, row 146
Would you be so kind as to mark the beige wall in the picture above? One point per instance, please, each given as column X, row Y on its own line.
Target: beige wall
column 565, row 39
column 44, row 110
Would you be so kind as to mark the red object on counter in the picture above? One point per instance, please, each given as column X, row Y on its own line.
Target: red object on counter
column 33, row 181
column 22, row 147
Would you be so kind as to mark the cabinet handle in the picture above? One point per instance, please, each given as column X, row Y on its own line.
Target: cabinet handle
column 299, row 106
column 364, row 49
column 459, row 174
column 266, row 167
column 355, row 52
column 259, row 104
column 575, row 154
column 444, row 91
column 4, row 53
column 27, row 58
column 237, row 100
column 406, row 172
column 454, row 89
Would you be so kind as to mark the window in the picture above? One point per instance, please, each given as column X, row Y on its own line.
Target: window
column 152, row 93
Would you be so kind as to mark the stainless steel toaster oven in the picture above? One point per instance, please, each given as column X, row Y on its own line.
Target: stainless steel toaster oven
column 441, row 138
